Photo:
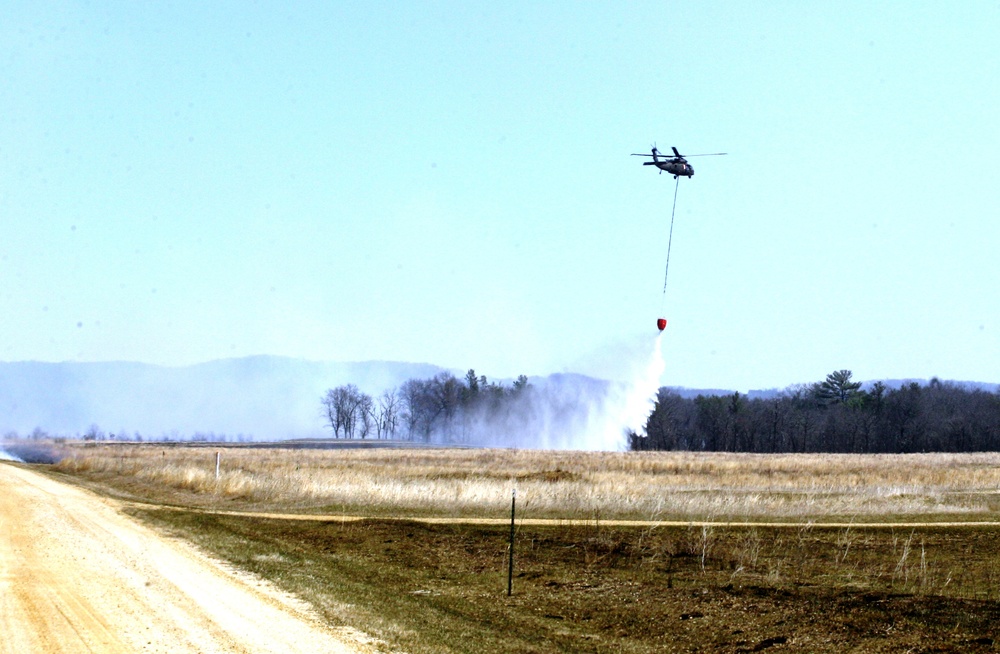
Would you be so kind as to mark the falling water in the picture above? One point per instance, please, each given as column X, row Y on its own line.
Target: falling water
column 628, row 404
column 641, row 397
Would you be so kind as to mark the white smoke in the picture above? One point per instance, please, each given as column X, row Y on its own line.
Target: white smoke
column 6, row 456
column 575, row 412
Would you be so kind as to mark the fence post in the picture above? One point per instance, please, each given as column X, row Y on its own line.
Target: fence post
column 510, row 561
column 218, row 455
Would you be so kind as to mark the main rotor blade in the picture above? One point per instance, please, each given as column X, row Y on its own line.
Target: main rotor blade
column 667, row 156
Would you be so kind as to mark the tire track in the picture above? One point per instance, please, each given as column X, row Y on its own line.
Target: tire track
column 560, row 522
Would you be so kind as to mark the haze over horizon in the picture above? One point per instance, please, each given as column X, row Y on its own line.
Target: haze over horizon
column 276, row 398
column 451, row 183
column 426, row 368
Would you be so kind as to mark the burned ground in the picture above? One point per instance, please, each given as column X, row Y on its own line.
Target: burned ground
column 442, row 588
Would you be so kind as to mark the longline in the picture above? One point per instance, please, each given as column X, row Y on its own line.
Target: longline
column 670, row 241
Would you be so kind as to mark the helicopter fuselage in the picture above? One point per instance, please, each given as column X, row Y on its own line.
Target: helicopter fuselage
column 676, row 167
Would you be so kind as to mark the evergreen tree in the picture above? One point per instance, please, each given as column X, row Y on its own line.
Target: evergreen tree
column 837, row 388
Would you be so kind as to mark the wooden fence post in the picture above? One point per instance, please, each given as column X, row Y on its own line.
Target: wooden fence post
column 510, row 561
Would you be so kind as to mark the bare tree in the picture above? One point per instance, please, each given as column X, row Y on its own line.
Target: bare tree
column 411, row 394
column 343, row 410
column 331, row 410
column 365, row 413
column 387, row 414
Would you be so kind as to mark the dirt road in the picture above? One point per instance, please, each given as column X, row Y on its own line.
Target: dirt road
column 76, row 575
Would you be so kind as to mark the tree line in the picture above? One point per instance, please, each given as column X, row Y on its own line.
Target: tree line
column 442, row 408
column 835, row 415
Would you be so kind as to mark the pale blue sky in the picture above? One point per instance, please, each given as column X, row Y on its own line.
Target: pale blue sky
column 451, row 183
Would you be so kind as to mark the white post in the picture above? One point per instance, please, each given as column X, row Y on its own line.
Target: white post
column 218, row 455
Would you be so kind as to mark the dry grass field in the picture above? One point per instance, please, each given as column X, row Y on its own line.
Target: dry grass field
column 590, row 485
column 595, row 587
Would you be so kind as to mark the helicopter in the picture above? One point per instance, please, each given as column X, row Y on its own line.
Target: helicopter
column 678, row 166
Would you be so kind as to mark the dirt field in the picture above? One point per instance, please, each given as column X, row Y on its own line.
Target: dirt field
column 76, row 575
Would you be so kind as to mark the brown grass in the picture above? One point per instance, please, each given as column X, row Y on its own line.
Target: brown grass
column 603, row 485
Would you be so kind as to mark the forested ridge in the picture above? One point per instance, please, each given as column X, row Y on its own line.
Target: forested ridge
column 835, row 415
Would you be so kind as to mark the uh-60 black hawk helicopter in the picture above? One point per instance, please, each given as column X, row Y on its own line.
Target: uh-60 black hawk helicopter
column 677, row 166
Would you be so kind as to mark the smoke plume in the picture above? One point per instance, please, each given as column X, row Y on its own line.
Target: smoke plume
column 573, row 411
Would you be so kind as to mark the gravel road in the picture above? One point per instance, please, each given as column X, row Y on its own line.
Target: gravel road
column 77, row 575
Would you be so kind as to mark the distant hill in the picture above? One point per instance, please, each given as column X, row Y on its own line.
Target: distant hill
column 259, row 396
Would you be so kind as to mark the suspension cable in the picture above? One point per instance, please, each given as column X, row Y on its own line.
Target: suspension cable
column 670, row 241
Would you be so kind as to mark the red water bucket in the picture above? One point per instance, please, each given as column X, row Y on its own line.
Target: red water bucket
column 661, row 323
